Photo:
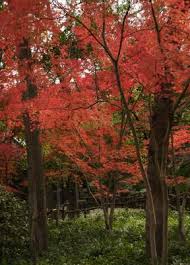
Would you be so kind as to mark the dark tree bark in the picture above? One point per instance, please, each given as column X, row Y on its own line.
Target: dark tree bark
column 37, row 193
column 156, row 171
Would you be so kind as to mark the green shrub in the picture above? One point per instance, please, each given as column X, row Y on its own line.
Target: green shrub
column 13, row 228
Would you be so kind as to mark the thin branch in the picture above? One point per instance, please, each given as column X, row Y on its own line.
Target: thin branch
column 105, row 45
column 122, row 31
column 90, row 192
column 156, row 24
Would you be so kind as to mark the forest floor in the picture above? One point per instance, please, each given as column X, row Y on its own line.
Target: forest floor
column 84, row 241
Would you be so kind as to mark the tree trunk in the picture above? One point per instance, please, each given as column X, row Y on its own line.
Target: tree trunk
column 108, row 211
column 77, row 199
column 58, row 206
column 106, row 216
column 37, row 190
column 37, row 193
column 72, row 198
column 156, row 171
column 181, row 215
column 112, row 205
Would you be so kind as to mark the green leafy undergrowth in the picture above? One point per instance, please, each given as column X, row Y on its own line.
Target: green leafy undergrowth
column 84, row 241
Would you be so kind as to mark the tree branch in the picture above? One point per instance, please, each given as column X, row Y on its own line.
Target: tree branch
column 123, row 30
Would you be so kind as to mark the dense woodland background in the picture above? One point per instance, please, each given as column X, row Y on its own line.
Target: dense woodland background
column 94, row 116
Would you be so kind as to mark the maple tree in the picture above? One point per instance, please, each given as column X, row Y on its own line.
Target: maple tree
column 17, row 43
column 105, row 158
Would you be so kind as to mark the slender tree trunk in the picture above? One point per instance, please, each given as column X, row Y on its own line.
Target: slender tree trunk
column 151, row 214
column 156, row 172
column 111, row 216
column 106, row 216
column 58, row 206
column 77, row 198
column 72, row 210
column 112, row 206
column 109, row 213
column 181, row 215
column 180, row 206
